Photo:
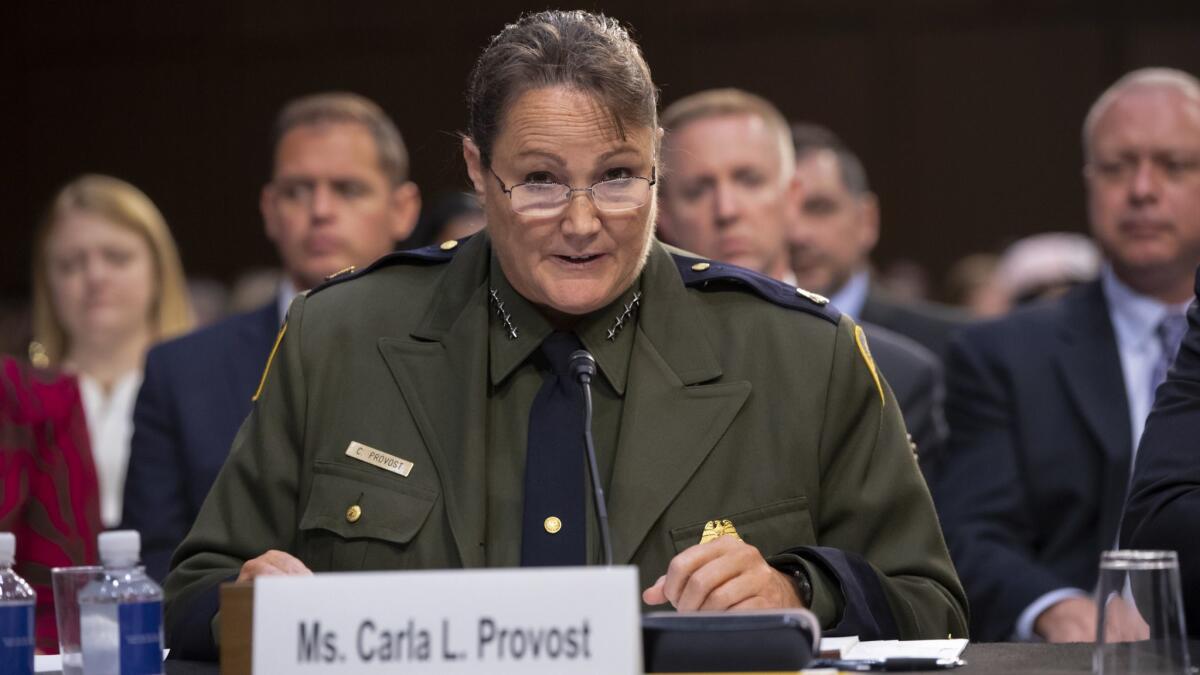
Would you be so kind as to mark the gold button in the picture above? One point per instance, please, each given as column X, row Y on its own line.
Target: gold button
column 449, row 244
column 353, row 513
column 700, row 267
column 552, row 524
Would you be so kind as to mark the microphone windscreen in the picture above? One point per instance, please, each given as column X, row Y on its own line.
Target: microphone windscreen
column 582, row 362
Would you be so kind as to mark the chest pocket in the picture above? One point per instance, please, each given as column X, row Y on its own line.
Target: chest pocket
column 351, row 513
column 772, row 528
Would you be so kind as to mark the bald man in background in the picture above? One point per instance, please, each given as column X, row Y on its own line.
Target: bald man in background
column 1047, row 405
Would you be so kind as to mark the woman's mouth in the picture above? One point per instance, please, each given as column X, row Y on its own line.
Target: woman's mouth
column 579, row 260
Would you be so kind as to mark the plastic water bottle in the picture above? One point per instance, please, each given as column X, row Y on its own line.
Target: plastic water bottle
column 16, row 613
column 120, row 614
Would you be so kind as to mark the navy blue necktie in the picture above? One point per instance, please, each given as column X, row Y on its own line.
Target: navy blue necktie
column 553, row 525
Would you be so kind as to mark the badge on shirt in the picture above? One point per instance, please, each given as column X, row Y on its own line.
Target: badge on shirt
column 379, row 458
column 715, row 529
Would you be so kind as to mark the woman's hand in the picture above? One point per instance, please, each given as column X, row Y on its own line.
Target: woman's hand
column 273, row 562
column 725, row 573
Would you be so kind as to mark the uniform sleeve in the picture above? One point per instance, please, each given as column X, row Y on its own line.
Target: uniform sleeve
column 1166, row 481
column 880, row 556
column 981, row 496
column 154, row 481
column 252, row 507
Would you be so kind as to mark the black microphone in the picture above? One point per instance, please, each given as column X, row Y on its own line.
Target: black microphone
column 583, row 366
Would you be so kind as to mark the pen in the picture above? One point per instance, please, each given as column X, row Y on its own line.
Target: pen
column 895, row 664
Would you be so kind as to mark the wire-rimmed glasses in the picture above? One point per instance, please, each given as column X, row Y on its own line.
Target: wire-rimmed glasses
column 550, row 199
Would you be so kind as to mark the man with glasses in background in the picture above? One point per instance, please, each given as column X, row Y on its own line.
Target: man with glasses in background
column 338, row 199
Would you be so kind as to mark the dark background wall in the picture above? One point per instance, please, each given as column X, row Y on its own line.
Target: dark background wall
column 966, row 112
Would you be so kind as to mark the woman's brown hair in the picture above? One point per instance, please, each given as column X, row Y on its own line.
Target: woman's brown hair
column 588, row 52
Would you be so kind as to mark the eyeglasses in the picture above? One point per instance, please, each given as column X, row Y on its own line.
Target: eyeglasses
column 550, row 199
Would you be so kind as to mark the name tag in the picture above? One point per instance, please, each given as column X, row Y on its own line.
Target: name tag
column 552, row 620
column 379, row 458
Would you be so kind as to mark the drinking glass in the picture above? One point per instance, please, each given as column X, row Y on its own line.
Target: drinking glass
column 1139, row 626
column 68, row 581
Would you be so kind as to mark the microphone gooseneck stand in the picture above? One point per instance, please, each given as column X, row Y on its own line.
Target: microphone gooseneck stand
column 583, row 366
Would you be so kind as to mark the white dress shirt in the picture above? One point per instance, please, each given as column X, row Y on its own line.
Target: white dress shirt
column 110, row 429
column 287, row 293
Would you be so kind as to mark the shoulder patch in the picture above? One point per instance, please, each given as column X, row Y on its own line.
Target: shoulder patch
column 864, row 350
column 708, row 274
column 433, row 254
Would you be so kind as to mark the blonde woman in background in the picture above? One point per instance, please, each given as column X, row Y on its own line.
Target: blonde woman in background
column 107, row 284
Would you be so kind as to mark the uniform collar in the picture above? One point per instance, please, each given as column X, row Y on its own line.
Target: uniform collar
column 510, row 311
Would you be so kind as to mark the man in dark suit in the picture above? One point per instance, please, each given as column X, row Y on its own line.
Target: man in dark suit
column 339, row 197
column 1046, row 406
column 731, row 196
column 835, row 230
column 1164, row 499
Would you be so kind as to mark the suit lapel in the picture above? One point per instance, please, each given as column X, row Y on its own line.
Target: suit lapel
column 671, row 421
column 1090, row 366
column 441, row 370
column 874, row 311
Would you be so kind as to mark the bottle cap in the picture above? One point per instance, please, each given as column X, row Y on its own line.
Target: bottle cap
column 8, row 548
column 119, row 547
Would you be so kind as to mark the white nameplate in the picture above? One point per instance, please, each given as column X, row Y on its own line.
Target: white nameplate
column 498, row 621
column 379, row 458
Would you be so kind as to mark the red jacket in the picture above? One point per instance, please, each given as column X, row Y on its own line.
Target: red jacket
column 49, row 497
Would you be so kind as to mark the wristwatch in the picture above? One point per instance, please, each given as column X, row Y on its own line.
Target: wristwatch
column 794, row 568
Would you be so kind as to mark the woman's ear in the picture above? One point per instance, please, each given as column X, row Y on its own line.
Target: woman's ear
column 475, row 167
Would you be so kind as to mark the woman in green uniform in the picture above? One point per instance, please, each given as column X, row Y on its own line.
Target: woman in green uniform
column 420, row 414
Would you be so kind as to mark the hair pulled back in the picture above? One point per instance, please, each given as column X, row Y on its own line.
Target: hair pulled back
column 588, row 52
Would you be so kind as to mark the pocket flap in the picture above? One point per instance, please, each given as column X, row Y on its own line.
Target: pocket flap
column 387, row 509
column 778, row 525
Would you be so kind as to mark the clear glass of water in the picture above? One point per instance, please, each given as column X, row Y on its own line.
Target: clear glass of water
column 67, row 582
column 1140, row 626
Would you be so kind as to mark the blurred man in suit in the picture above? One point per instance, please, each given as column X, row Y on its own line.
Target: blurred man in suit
column 1164, row 499
column 339, row 197
column 834, row 234
column 730, row 192
column 1047, row 405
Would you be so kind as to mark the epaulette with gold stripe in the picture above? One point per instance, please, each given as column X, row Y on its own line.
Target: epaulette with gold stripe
column 433, row 254
column 711, row 275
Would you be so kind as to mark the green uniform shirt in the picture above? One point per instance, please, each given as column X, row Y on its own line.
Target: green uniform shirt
column 730, row 396
column 515, row 380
